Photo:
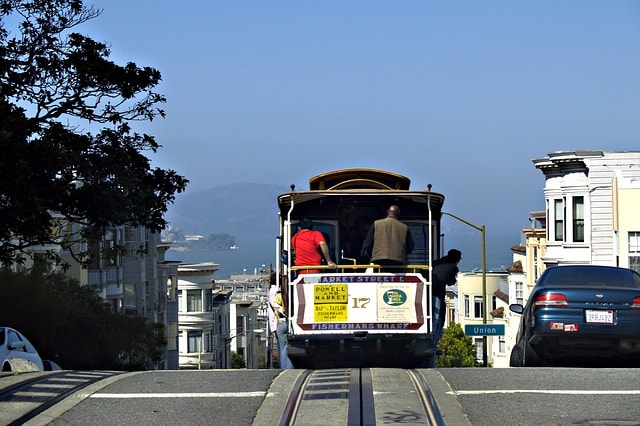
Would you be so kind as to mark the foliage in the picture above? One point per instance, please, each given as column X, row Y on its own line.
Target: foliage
column 68, row 323
column 55, row 83
column 457, row 349
column 237, row 361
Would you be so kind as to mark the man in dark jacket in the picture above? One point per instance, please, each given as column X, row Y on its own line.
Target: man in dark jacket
column 388, row 241
column 445, row 272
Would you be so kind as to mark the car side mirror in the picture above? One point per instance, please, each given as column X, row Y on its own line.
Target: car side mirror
column 16, row 345
column 516, row 308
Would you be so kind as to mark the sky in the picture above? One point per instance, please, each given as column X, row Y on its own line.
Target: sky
column 462, row 95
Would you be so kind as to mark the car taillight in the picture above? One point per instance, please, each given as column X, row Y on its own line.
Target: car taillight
column 636, row 303
column 551, row 299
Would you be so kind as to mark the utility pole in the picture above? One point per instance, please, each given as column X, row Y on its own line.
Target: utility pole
column 485, row 303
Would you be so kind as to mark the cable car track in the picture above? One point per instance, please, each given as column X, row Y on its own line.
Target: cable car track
column 348, row 394
column 30, row 397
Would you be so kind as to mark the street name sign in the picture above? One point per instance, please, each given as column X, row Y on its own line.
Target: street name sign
column 484, row 329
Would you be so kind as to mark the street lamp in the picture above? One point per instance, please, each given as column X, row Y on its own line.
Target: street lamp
column 480, row 228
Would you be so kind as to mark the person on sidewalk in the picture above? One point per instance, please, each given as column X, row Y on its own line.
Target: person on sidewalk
column 278, row 324
column 445, row 273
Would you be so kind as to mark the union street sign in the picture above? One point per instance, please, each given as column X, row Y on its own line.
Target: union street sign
column 484, row 329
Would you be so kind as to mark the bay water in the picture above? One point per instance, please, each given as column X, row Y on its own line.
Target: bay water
column 243, row 260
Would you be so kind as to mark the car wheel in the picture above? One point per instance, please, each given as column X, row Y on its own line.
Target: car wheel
column 6, row 367
column 531, row 358
column 516, row 359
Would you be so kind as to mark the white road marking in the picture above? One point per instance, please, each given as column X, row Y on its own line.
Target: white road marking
column 546, row 391
column 178, row 395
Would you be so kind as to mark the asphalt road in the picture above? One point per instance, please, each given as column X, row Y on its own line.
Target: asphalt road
column 523, row 396
column 546, row 396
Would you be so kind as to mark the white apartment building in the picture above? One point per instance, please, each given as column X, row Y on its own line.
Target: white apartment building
column 592, row 199
column 249, row 333
column 203, row 318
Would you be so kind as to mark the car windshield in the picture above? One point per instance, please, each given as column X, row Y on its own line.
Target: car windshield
column 593, row 276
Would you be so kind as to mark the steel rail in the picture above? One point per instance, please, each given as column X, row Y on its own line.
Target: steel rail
column 293, row 402
column 434, row 415
column 36, row 390
column 361, row 403
column 7, row 391
column 325, row 384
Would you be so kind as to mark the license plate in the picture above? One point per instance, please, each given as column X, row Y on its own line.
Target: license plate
column 600, row 317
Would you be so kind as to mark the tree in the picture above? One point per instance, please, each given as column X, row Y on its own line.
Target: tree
column 457, row 349
column 68, row 323
column 237, row 361
column 54, row 83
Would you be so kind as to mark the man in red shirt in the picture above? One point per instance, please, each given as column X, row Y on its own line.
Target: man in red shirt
column 309, row 246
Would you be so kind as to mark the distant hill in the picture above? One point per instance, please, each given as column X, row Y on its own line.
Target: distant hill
column 248, row 211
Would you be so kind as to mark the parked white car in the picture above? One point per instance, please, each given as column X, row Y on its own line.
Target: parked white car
column 17, row 354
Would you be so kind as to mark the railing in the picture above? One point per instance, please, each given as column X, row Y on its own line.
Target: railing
column 369, row 267
column 95, row 278
column 108, row 275
column 113, row 274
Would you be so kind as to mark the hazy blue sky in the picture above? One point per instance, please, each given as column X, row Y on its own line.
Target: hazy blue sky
column 459, row 94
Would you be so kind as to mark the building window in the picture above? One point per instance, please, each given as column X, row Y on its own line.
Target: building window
column 634, row 251
column 194, row 301
column 466, row 306
column 194, row 341
column 130, row 240
column 558, row 214
column 208, row 341
column 239, row 325
column 110, row 253
column 578, row 219
column 41, row 262
column 208, row 296
column 130, row 299
column 501, row 345
column 479, row 345
column 180, row 307
column 173, row 336
column 477, row 306
column 520, row 292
